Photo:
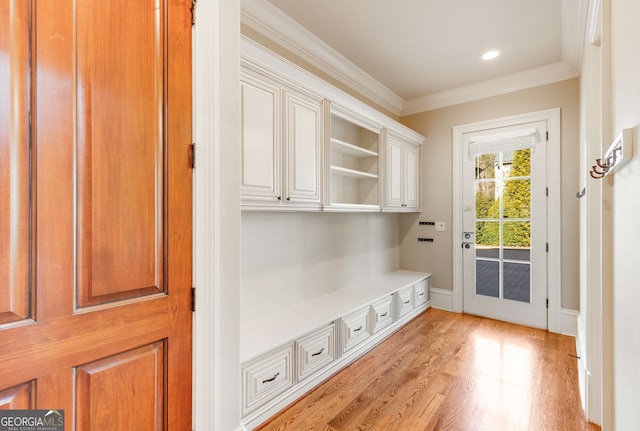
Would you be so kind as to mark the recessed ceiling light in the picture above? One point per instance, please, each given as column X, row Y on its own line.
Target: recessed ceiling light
column 490, row 55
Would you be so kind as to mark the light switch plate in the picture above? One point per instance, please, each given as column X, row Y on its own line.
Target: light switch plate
column 439, row 226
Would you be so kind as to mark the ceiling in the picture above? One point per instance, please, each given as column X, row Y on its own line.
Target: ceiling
column 415, row 55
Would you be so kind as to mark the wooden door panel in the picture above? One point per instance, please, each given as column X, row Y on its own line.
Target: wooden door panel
column 105, row 209
column 122, row 392
column 69, row 341
column 15, row 105
column 120, row 148
column 19, row 397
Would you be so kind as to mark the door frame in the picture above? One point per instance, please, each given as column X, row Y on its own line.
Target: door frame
column 216, row 225
column 554, row 237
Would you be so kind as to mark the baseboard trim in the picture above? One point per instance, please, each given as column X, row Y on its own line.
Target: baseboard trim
column 569, row 325
column 441, row 299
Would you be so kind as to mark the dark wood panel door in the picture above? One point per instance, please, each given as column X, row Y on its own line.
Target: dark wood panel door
column 95, row 211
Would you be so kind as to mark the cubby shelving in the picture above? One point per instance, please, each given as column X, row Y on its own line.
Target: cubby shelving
column 354, row 168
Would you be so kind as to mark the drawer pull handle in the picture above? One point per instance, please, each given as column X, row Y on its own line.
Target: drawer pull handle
column 318, row 353
column 383, row 314
column 407, row 301
column 271, row 379
column 358, row 329
column 421, row 294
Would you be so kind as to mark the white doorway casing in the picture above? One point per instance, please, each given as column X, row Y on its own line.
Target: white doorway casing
column 552, row 118
column 216, row 198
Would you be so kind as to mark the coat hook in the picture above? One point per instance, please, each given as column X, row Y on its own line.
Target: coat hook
column 606, row 164
column 581, row 193
column 598, row 171
column 597, row 176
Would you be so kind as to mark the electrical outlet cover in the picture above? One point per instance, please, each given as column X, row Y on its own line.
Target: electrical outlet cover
column 439, row 226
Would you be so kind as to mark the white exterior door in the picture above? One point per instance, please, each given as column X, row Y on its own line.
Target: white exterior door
column 504, row 223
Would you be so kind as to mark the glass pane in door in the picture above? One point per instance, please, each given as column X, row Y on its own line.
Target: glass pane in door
column 488, row 278
column 503, row 225
column 517, row 281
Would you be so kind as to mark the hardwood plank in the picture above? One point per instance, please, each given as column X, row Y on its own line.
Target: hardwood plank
column 446, row 371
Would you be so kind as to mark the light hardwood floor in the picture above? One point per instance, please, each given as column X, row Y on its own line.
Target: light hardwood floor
column 447, row 371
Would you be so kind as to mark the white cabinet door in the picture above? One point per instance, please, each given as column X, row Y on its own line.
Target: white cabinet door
column 260, row 140
column 381, row 313
column 315, row 351
column 404, row 301
column 267, row 377
column 354, row 329
column 411, row 156
column 393, row 175
column 303, row 142
column 402, row 175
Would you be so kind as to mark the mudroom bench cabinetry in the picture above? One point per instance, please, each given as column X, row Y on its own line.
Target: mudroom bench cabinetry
column 289, row 351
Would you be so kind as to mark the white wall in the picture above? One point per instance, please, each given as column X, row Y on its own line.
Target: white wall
column 292, row 257
column 625, row 99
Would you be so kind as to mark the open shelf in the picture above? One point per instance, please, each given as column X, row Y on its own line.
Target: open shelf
column 352, row 173
column 354, row 162
column 351, row 150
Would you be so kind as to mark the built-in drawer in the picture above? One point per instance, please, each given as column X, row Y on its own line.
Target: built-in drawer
column 315, row 350
column 404, row 300
column 267, row 377
column 381, row 314
column 354, row 329
column 421, row 292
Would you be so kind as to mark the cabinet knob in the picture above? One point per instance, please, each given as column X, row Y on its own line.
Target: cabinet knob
column 279, row 198
column 288, row 198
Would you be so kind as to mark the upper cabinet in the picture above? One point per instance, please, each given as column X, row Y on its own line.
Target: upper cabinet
column 402, row 169
column 308, row 146
column 282, row 141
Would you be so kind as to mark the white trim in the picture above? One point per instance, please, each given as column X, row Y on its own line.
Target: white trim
column 216, row 215
column 594, row 27
column 554, row 265
column 269, row 21
column 574, row 22
column 535, row 77
column 570, row 322
column 583, row 373
column 441, row 299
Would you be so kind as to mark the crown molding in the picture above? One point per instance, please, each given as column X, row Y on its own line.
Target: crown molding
column 535, row 77
column 269, row 21
column 594, row 26
column 574, row 23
